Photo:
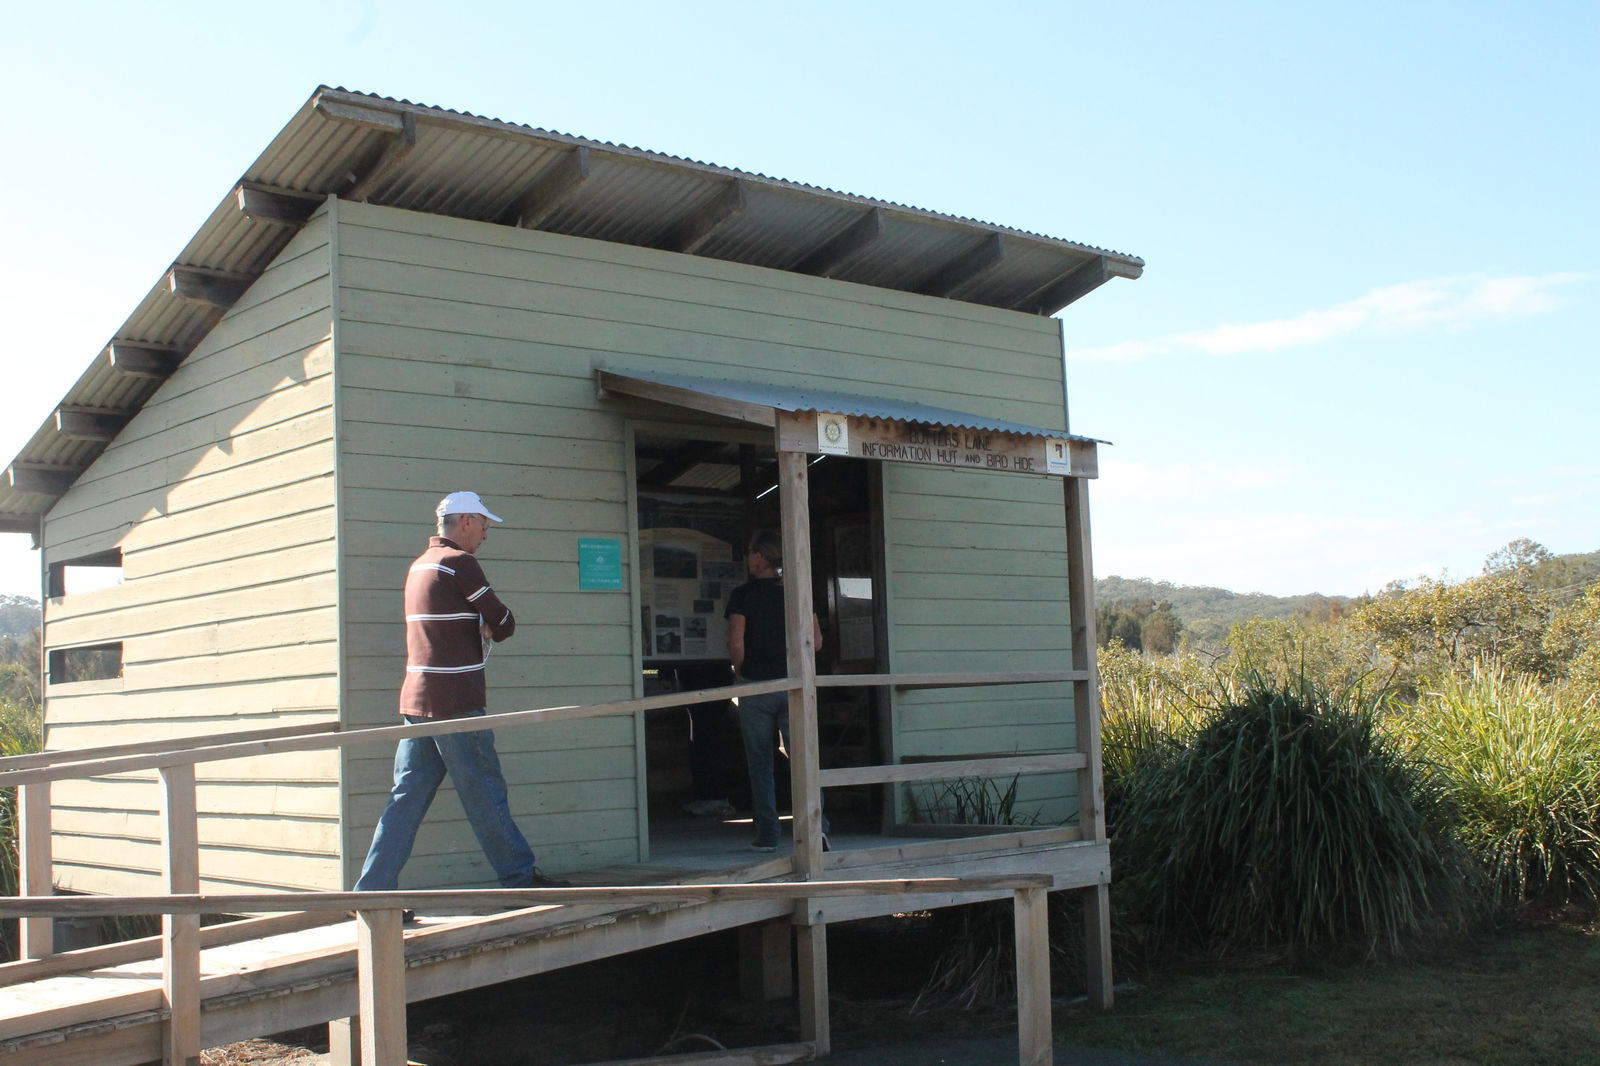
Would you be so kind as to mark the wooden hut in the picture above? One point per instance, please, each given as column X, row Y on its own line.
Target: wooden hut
column 625, row 353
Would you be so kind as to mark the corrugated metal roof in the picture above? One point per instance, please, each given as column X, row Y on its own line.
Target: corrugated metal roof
column 406, row 155
column 792, row 398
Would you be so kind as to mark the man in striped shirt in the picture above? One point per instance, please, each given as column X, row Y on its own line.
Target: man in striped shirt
column 453, row 618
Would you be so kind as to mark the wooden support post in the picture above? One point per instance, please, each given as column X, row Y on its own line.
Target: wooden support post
column 33, row 852
column 1097, row 940
column 1034, row 1038
column 344, row 1042
column 804, row 769
column 381, row 973
column 1085, row 690
column 1086, row 723
column 180, row 933
column 766, row 960
column 813, row 943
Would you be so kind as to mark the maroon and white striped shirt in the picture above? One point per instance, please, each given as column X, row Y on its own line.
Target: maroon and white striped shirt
column 448, row 599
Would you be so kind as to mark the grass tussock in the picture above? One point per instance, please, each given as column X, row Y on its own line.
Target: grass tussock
column 1287, row 823
column 1521, row 767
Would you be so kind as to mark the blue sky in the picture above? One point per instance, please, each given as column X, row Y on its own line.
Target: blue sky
column 1364, row 347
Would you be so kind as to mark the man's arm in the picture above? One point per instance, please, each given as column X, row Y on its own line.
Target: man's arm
column 498, row 622
column 736, row 640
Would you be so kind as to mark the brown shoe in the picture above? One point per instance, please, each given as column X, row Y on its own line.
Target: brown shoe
column 539, row 880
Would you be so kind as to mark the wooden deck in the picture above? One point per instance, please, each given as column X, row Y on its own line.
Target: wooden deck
column 111, row 1015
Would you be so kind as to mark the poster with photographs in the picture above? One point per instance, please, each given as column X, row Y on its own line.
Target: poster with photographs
column 685, row 578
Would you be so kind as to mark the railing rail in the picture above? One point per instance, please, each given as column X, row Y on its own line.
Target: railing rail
column 33, row 775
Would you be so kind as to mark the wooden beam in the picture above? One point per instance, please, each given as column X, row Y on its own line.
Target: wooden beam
column 947, row 279
column 143, row 361
column 1032, row 932
column 838, row 250
column 34, row 859
column 766, row 1055
column 692, row 234
column 48, row 480
column 444, row 901
column 609, row 384
column 210, row 287
column 681, row 461
column 89, row 423
column 550, row 190
column 263, row 203
column 765, row 959
column 180, row 956
column 1086, row 727
column 804, row 769
column 1078, row 282
column 11, row 522
column 381, row 974
column 1097, row 945
column 394, row 150
column 945, row 771
column 371, row 117
column 63, row 756
column 919, row 681
column 904, row 441
column 812, row 940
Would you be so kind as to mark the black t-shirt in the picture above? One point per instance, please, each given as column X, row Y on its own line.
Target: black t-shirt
column 760, row 600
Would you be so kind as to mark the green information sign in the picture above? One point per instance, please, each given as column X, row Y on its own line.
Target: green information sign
column 599, row 563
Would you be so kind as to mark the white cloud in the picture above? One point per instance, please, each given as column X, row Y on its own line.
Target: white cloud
column 1441, row 303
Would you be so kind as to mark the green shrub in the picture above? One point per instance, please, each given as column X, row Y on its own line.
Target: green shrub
column 1522, row 766
column 1286, row 823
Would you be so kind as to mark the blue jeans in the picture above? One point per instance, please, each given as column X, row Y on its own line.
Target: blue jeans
column 419, row 767
column 761, row 719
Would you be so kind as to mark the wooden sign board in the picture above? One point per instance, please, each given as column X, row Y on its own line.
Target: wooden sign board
column 918, row 442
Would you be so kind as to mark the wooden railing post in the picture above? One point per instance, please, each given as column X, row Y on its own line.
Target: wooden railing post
column 180, row 952
column 1034, row 1038
column 1086, row 723
column 37, row 935
column 381, row 974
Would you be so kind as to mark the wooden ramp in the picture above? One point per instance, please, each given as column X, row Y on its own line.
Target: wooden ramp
column 297, row 970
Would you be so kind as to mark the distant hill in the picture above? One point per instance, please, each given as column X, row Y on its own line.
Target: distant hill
column 1207, row 613
column 19, row 616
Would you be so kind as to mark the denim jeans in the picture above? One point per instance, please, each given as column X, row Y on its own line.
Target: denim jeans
column 419, row 767
column 761, row 719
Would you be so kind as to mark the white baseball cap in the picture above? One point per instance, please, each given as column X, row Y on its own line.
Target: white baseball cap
column 465, row 503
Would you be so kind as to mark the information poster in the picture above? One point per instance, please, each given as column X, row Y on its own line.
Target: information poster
column 685, row 578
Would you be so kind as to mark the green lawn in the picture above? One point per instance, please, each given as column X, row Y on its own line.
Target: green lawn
column 1514, row 998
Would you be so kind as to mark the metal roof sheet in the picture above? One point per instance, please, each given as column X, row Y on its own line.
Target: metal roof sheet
column 794, row 398
column 419, row 158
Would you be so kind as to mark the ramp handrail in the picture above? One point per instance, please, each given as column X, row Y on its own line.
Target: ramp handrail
column 380, row 938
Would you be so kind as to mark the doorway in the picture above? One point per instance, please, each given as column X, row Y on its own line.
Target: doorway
column 698, row 501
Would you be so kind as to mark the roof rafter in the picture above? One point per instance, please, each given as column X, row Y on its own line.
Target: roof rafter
column 263, row 203
column 1076, row 283
column 383, row 160
column 143, row 361
column 843, row 246
column 956, row 273
column 47, row 479
column 212, row 287
column 89, row 423
column 550, row 190
column 690, row 235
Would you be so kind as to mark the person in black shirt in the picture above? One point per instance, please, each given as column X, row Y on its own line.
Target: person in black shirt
column 758, row 648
